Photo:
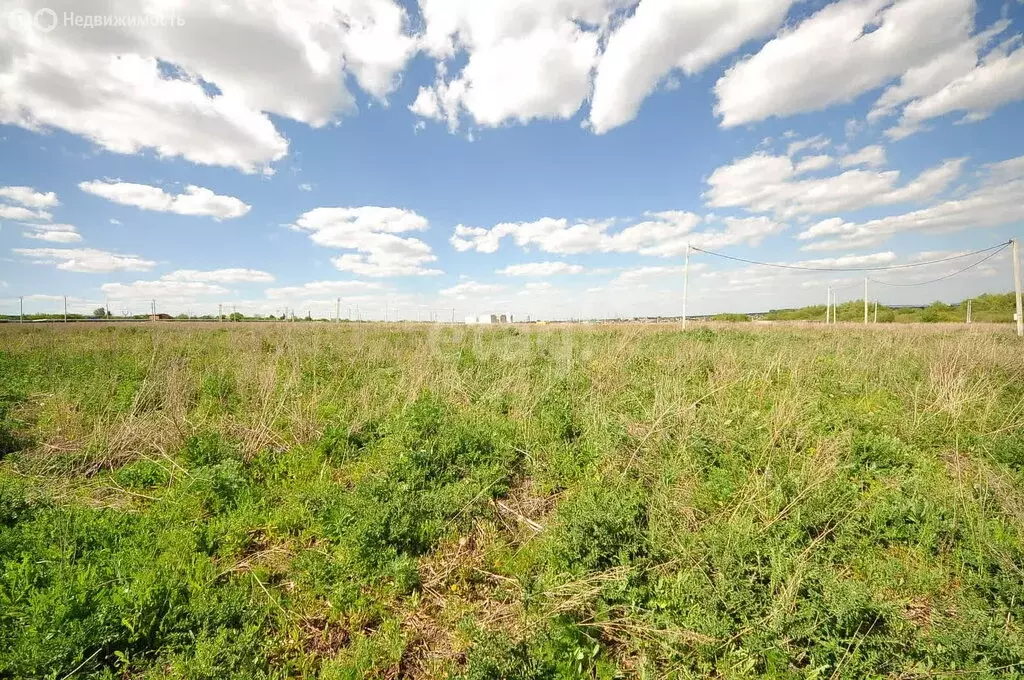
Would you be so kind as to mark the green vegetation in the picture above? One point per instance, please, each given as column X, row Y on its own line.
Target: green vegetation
column 357, row 500
column 991, row 308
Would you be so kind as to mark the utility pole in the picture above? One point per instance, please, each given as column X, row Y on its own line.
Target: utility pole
column 65, row 309
column 686, row 281
column 969, row 310
column 828, row 305
column 152, row 304
column 21, row 309
column 337, row 310
column 453, row 315
column 1016, row 286
column 220, row 312
column 876, row 311
column 865, row 301
column 385, row 311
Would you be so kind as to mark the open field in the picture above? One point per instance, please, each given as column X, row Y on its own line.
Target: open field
column 356, row 500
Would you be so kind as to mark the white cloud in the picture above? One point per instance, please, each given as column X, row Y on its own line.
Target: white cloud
column 29, row 197
column 195, row 200
column 643, row 275
column 813, row 164
column 816, row 143
column 997, row 80
column 845, row 49
column 765, row 183
column 776, row 288
column 371, row 231
column 466, row 289
column 535, row 287
column 663, row 234
column 996, row 201
column 665, row 35
column 524, row 60
column 936, row 74
column 16, row 212
column 323, row 289
column 54, row 233
column 184, row 286
column 220, row 276
column 89, row 260
column 541, row 269
column 872, row 156
column 30, row 208
column 129, row 89
column 163, row 291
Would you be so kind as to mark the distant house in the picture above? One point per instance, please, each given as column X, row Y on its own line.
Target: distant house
column 489, row 319
column 160, row 317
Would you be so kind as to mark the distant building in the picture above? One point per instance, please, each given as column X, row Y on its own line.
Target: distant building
column 489, row 319
column 160, row 317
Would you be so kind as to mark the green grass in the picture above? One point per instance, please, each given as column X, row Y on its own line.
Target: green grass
column 987, row 308
column 347, row 501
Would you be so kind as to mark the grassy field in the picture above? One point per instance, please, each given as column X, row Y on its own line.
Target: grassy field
column 989, row 308
column 345, row 501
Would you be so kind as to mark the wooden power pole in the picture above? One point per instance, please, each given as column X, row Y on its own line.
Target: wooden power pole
column 1017, row 288
column 865, row 301
column 686, row 282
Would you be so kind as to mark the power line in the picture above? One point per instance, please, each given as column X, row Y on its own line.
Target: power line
column 997, row 247
column 947, row 276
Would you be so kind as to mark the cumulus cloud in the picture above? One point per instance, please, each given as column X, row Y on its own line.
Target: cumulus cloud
column 467, row 289
column 842, row 51
column 813, row 164
column 194, row 201
column 541, row 269
column 184, row 286
column 17, row 212
column 996, row 80
column 815, row 143
column 644, row 275
column 163, row 291
column 995, row 202
column 665, row 234
column 88, row 260
column 235, row 275
column 664, row 35
column 29, row 197
column 522, row 60
column 372, row 232
column 872, row 156
column 769, row 184
column 36, row 221
column 201, row 89
column 54, row 233
column 323, row 289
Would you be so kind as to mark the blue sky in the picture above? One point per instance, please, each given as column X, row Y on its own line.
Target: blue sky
column 541, row 158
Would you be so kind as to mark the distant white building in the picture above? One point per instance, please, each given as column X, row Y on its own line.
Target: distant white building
column 489, row 319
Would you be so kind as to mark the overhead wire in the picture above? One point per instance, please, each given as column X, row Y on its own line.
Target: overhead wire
column 777, row 265
column 946, row 276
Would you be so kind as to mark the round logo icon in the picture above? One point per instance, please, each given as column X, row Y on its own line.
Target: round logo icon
column 44, row 20
column 19, row 20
